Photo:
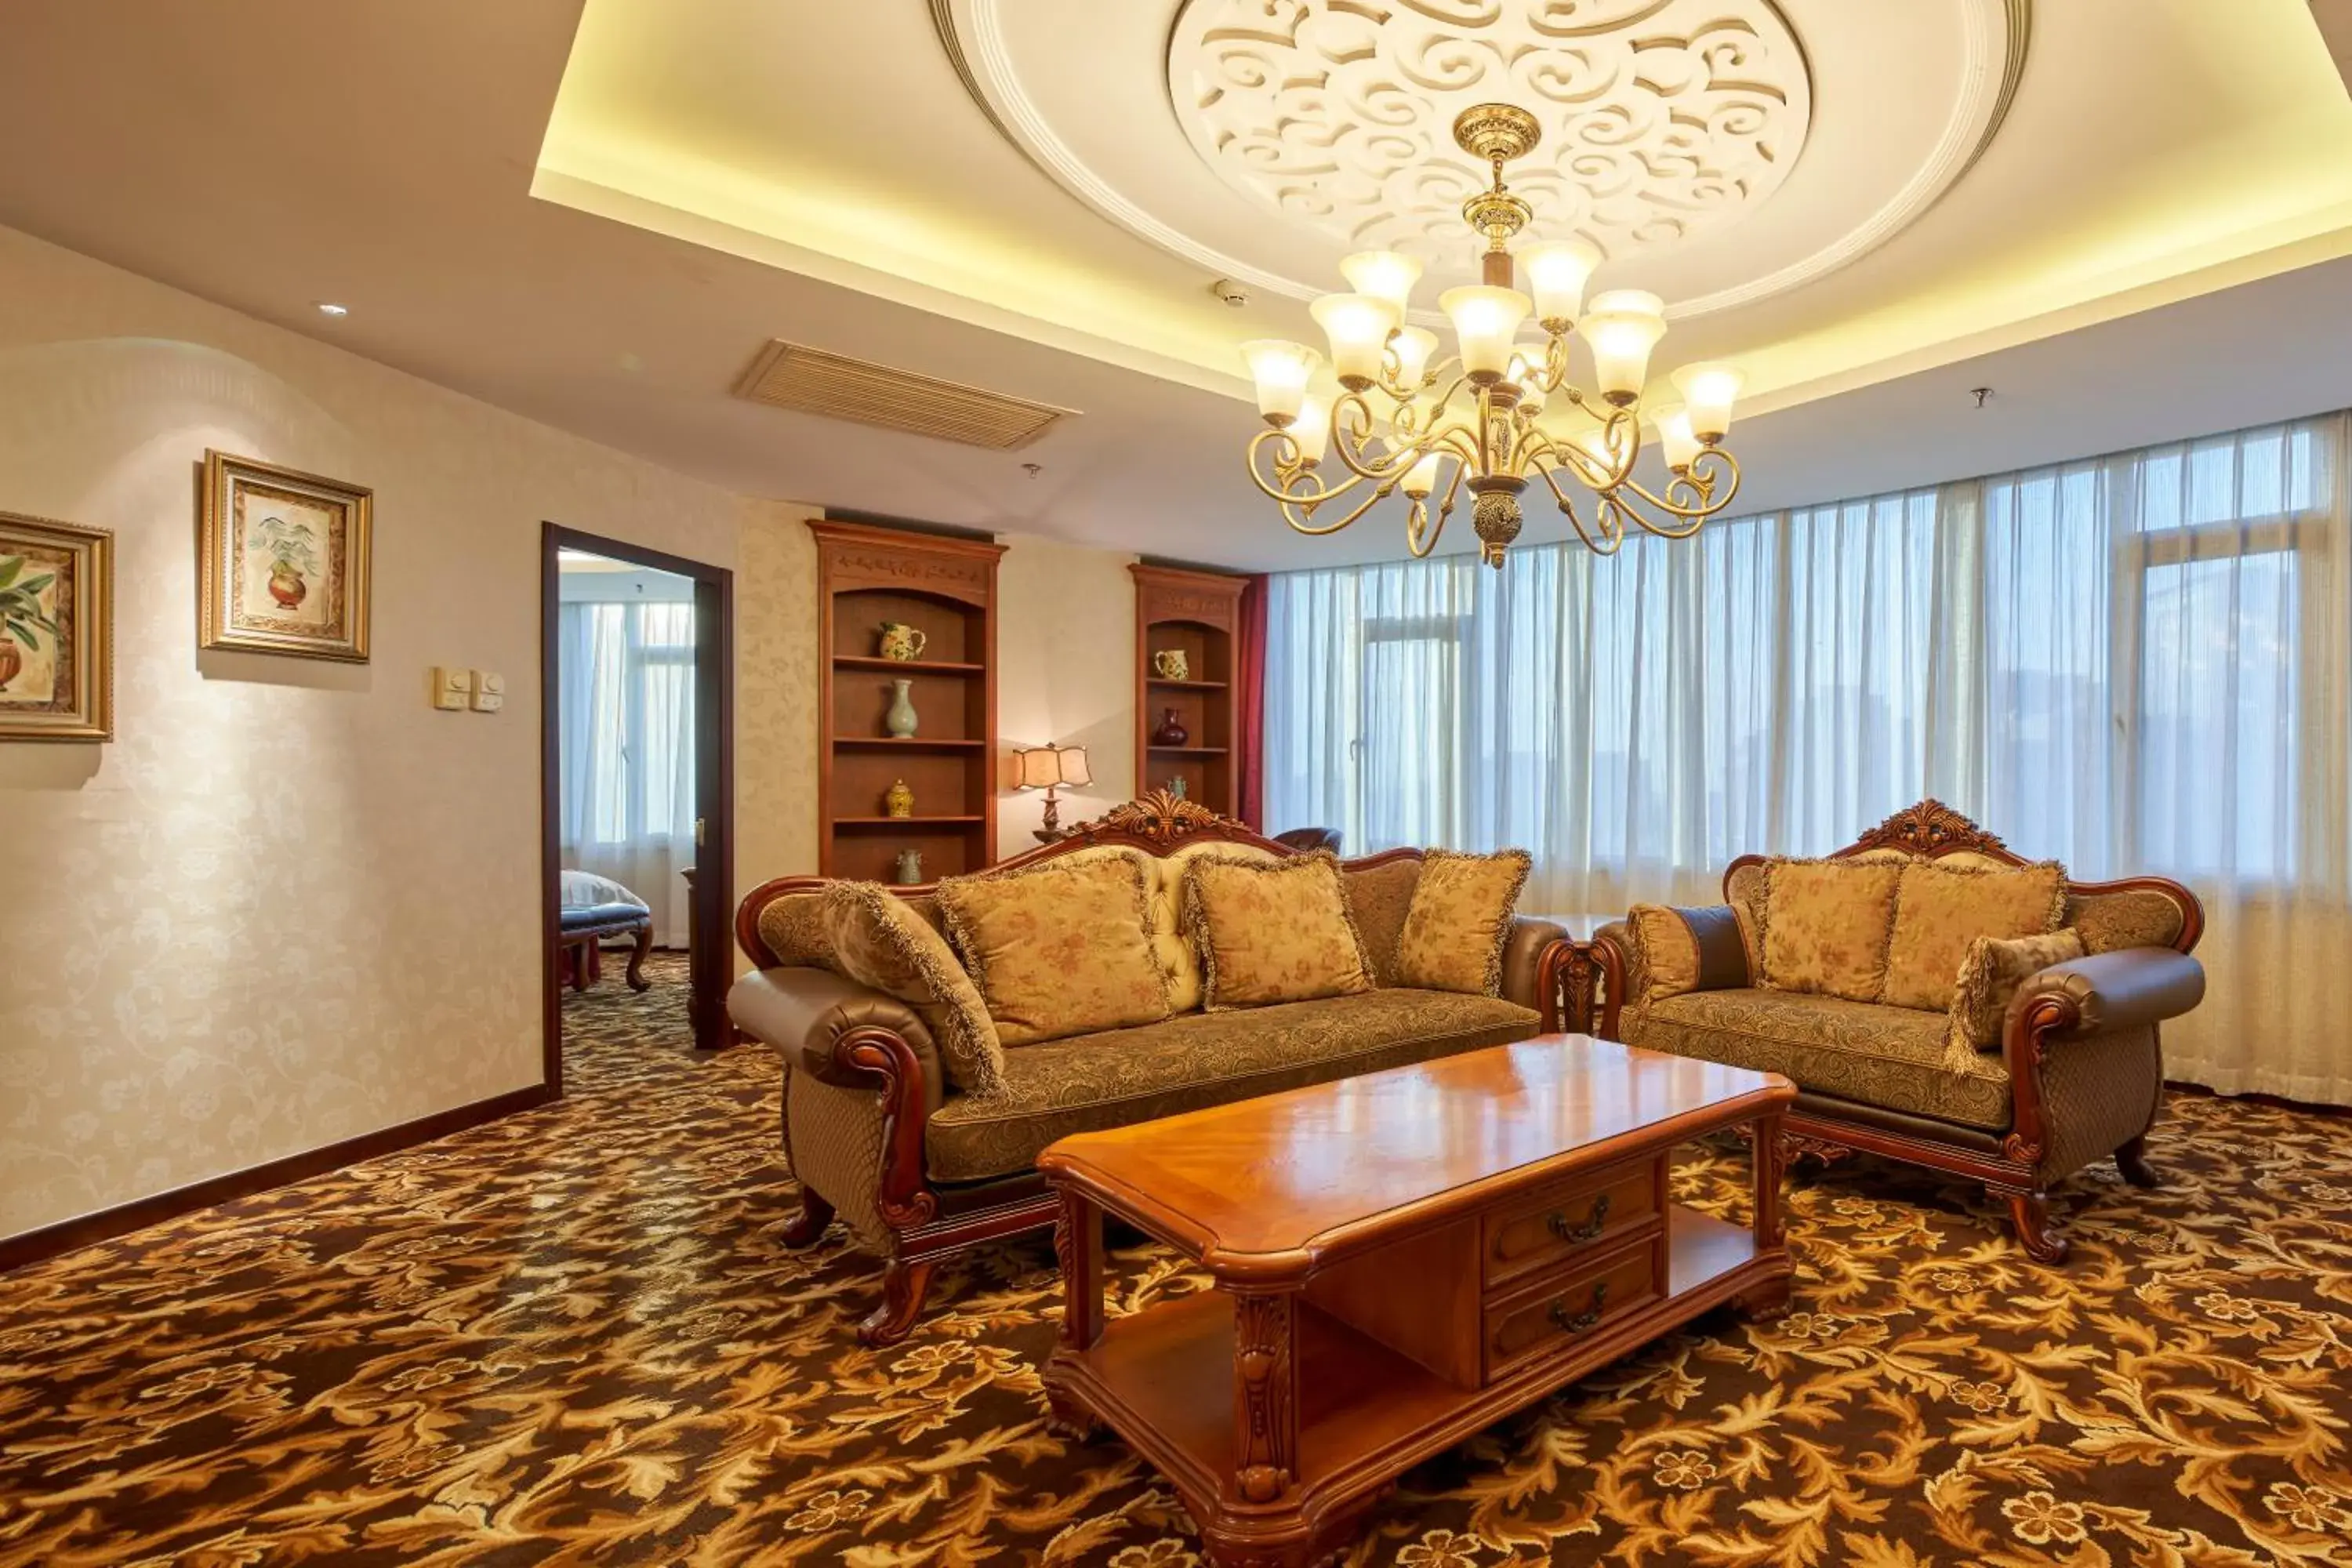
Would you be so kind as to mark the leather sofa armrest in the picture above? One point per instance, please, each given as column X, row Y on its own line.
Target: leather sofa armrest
column 2120, row 990
column 1529, row 978
column 810, row 1016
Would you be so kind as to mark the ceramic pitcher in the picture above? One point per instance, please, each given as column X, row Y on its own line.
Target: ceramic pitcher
column 1172, row 664
column 901, row 641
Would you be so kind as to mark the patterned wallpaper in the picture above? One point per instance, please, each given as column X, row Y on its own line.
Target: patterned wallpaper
column 292, row 903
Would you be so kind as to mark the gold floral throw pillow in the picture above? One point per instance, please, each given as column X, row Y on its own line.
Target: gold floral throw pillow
column 1460, row 920
column 1060, row 948
column 879, row 941
column 1826, row 926
column 1940, row 910
column 1272, row 932
column 793, row 928
column 1989, row 979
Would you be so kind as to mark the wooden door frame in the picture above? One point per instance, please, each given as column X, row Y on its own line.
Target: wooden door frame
column 714, row 781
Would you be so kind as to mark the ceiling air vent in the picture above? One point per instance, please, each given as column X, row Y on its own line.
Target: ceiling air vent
column 787, row 375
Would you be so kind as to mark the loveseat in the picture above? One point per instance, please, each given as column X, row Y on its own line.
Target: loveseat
column 2038, row 1055
column 881, row 1134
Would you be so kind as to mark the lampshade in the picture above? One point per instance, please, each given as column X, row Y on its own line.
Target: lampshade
column 1047, row 767
column 1413, row 347
column 1680, row 446
column 1312, row 430
column 1709, row 390
column 1623, row 326
column 1357, row 326
column 1557, row 273
column 1421, row 478
column 1485, row 322
column 1383, row 274
column 1280, row 368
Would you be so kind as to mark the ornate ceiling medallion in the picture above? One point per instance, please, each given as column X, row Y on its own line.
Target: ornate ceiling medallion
column 1659, row 119
column 1724, row 151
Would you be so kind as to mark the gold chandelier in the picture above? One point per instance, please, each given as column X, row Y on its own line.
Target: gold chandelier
column 1493, row 443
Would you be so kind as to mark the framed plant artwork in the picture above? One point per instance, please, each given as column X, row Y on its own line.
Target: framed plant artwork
column 56, row 631
column 282, row 562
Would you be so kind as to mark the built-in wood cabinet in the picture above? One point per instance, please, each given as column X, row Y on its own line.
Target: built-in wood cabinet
column 945, row 588
column 1200, row 614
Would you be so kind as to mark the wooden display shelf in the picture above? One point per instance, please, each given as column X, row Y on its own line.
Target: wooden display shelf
column 906, row 742
column 1200, row 614
column 905, row 666
column 945, row 587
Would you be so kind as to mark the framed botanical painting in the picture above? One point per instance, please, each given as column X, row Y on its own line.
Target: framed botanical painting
column 282, row 562
column 56, row 631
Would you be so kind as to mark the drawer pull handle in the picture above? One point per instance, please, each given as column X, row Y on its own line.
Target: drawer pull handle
column 1584, row 1319
column 1591, row 1227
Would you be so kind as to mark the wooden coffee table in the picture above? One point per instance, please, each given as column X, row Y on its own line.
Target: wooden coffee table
column 1401, row 1259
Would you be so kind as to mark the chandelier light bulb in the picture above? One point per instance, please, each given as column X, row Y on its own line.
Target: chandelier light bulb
column 1414, row 347
column 1624, row 325
column 1421, row 478
column 1357, row 326
column 1709, row 390
column 1680, row 446
column 1485, row 320
column 1387, row 275
column 1557, row 275
column 1312, row 430
column 1280, row 368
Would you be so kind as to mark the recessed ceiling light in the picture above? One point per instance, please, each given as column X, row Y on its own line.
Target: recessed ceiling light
column 328, row 308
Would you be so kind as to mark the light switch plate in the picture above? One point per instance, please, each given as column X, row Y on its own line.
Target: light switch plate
column 491, row 682
column 487, row 701
column 451, row 687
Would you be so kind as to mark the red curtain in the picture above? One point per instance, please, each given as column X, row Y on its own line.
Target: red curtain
column 1249, row 702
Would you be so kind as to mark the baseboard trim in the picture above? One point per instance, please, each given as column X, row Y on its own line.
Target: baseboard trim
column 88, row 1230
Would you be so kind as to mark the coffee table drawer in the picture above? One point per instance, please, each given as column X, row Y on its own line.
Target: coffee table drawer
column 1552, row 1314
column 1551, row 1224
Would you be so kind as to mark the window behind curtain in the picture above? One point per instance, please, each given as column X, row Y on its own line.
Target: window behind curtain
column 626, row 725
column 2140, row 663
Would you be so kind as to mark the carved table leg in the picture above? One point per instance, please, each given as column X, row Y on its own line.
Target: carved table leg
column 1769, row 1162
column 904, row 1285
column 645, row 944
column 1265, row 1393
column 1578, row 979
column 1078, row 1247
column 2132, row 1160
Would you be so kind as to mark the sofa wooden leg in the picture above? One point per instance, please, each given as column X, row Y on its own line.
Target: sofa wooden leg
column 903, row 1286
column 805, row 1226
column 2132, row 1160
column 2030, row 1211
column 641, row 945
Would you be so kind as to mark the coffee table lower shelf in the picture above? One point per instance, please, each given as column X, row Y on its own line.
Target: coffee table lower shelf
column 1164, row 1379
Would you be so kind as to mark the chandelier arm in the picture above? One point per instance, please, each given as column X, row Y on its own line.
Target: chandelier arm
column 1694, row 494
column 1317, row 529
column 1290, row 472
column 1407, row 444
column 1413, row 541
column 1605, row 545
column 1546, row 454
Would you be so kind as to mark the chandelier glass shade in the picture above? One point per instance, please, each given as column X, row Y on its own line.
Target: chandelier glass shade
column 1403, row 419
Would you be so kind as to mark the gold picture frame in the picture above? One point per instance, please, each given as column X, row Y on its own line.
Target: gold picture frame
column 282, row 561
column 57, row 630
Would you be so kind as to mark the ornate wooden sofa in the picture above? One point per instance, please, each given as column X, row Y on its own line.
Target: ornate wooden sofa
column 877, row 1135
column 2078, row 1074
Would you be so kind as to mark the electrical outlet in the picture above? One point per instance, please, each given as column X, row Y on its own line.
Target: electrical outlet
column 489, row 691
column 451, row 688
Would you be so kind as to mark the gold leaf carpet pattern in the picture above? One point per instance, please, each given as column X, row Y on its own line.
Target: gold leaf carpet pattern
column 571, row 1338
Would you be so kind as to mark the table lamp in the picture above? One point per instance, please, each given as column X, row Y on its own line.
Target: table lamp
column 1048, row 768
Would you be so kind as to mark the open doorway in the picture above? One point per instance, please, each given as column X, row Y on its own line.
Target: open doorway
column 638, row 793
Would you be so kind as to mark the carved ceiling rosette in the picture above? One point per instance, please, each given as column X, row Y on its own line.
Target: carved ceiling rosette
column 1662, row 119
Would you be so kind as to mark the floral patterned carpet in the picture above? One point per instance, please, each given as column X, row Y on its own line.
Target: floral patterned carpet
column 571, row 1337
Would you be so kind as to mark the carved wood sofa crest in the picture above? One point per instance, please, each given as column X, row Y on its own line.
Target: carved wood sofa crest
column 918, row 1171
column 2078, row 1076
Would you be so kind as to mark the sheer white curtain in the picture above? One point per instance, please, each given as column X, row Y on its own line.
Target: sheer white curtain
column 2141, row 663
column 627, row 686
